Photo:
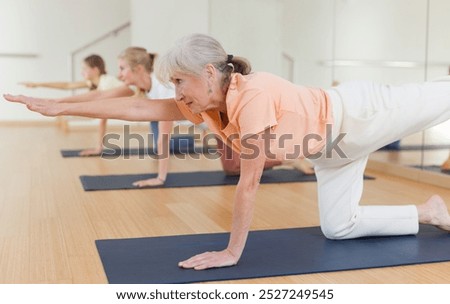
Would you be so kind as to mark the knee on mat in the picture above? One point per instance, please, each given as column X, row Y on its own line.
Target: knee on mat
column 337, row 232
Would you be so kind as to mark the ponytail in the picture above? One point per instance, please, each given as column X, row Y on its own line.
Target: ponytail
column 95, row 61
column 238, row 65
column 152, row 57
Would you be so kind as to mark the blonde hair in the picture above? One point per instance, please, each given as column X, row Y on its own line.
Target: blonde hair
column 192, row 53
column 135, row 56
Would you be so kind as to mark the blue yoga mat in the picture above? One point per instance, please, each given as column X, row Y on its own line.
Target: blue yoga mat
column 112, row 153
column 189, row 179
column 177, row 145
column 268, row 253
column 415, row 147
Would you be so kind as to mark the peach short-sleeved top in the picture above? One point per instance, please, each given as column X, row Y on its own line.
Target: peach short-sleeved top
column 293, row 118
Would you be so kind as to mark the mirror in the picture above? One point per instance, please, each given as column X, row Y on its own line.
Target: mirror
column 321, row 42
column 391, row 42
column 386, row 42
column 436, row 140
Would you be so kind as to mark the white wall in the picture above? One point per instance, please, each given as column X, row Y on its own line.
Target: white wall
column 52, row 29
column 439, row 39
column 368, row 33
column 250, row 28
column 156, row 24
column 312, row 32
column 235, row 23
column 307, row 37
column 378, row 32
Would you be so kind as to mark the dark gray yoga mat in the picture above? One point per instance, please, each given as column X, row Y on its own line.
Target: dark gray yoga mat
column 268, row 253
column 181, row 144
column 189, row 179
column 417, row 147
column 110, row 153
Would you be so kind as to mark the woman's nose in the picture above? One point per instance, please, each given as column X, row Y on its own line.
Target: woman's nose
column 178, row 95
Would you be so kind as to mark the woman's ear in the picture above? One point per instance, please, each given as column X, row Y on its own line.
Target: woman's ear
column 139, row 68
column 211, row 71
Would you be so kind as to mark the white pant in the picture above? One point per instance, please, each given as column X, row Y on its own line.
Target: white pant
column 372, row 116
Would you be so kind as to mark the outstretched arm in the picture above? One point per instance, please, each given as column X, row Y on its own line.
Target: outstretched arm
column 122, row 91
column 124, row 108
column 57, row 85
column 252, row 164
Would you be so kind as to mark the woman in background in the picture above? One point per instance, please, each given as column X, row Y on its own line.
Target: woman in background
column 95, row 78
column 136, row 71
column 135, row 80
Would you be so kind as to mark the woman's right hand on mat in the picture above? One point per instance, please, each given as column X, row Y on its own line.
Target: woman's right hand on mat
column 210, row 259
column 152, row 182
column 47, row 107
column 90, row 152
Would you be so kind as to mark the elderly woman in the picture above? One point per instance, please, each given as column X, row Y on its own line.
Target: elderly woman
column 262, row 117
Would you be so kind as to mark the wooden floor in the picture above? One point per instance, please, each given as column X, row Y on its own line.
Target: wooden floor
column 48, row 224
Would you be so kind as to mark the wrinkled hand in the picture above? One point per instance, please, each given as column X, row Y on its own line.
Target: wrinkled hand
column 210, row 259
column 148, row 182
column 47, row 107
column 90, row 152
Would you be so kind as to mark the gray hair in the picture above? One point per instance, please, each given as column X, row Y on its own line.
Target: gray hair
column 192, row 53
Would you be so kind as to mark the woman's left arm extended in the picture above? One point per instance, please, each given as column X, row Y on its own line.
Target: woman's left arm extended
column 253, row 157
column 124, row 108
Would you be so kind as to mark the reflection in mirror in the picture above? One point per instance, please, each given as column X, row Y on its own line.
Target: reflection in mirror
column 395, row 42
column 436, row 140
column 325, row 42
column 383, row 41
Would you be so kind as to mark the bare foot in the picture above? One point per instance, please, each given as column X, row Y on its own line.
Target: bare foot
column 434, row 212
column 90, row 152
